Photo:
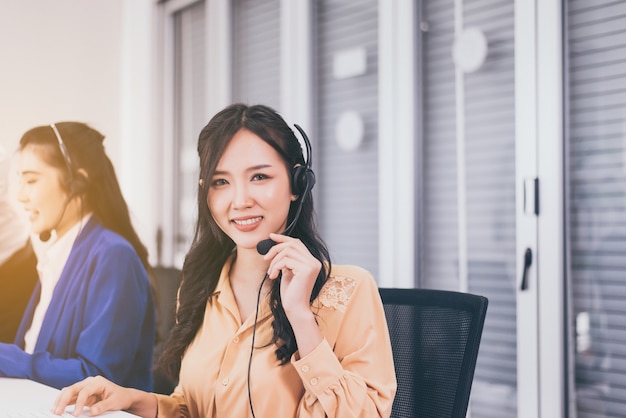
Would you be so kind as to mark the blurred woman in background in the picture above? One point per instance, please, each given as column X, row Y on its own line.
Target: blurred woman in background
column 92, row 312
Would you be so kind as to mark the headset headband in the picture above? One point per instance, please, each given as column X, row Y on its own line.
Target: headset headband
column 63, row 148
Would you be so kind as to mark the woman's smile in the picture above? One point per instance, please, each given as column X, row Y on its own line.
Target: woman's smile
column 247, row 224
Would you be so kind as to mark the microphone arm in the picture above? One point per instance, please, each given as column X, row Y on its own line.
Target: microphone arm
column 264, row 246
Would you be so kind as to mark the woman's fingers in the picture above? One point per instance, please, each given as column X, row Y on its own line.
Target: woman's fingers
column 104, row 405
column 87, row 396
column 299, row 272
column 96, row 393
column 67, row 397
column 289, row 254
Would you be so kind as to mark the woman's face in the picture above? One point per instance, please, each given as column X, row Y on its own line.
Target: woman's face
column 40, row 191
column 250, row 193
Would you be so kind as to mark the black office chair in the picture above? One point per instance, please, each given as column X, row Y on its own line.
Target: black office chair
column 435, row 336
column 168, row 281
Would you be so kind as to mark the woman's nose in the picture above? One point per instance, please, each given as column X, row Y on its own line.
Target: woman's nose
column 22, row 197
column 241, row 197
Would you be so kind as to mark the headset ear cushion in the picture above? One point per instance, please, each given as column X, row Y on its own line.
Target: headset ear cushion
column 298, row 180
column 309, row 178
column 302, row 180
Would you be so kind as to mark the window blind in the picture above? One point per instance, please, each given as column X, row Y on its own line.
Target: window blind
column 491, row 185
column 348, row 180
column 489, row 164
column 256, row 52
column 189, row 118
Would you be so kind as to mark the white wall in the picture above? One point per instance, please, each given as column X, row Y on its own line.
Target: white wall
column 61, row 60
column 78, row 60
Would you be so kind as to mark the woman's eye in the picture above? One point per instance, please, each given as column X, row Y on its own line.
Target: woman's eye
column 259, row 176
column 29, row 181
column 218, row 182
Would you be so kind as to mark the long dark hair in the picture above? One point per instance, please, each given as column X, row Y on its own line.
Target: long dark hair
column 99, row 189
column 211, row 247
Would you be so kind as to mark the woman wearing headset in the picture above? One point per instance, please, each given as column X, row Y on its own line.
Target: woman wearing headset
column 277, row 335
column 92, row 312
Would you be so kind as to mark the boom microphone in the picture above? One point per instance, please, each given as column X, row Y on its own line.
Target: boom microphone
column 45, row 236
column 264, row 246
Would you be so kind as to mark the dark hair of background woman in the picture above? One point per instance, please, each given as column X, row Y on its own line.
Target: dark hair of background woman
column 211, row 247
column 102, row 193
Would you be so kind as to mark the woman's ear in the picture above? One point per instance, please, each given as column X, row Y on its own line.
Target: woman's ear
column 80, row 183
column 83, row 173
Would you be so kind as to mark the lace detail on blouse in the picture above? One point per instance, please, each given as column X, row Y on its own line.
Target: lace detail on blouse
column 336, row 292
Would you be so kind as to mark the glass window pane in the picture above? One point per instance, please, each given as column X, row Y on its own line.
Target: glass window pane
column 596, row 203
column 190, row 117
column 256, row 52
column 484, row 103
column 348, row 195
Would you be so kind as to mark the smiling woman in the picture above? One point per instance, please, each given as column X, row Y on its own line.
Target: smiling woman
column 92, row 311
column 301, row 337
column 249, row 194
column 50, row 205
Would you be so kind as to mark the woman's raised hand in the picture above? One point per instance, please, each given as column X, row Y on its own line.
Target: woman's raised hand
column 299, row 271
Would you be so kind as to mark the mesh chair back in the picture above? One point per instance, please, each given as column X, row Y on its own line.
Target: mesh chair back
column 435, row 336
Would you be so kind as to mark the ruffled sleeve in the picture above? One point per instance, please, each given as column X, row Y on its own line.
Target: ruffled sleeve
column 351, row 372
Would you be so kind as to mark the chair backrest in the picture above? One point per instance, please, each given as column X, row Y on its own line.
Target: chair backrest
column 435, row 336
column 168, row 281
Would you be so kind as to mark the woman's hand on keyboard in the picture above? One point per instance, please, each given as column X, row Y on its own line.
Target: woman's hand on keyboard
column 101, row 395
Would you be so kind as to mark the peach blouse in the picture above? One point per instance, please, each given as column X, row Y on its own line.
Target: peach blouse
column 349, row 374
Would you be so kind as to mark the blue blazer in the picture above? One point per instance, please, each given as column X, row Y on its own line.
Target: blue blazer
column 101, row 319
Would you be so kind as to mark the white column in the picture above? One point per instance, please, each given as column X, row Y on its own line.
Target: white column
column 526, row 223
column 218, row 56
column 461, row 186
column 396, row 142
column 550, row 230
column 296, row 46
column 139, row 151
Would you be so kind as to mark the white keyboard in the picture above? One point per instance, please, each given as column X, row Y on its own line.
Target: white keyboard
column 21, row 398
column 33, row 414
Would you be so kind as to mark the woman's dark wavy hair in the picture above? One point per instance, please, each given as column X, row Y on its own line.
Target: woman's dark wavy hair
column 211, row 247
column 99, row 189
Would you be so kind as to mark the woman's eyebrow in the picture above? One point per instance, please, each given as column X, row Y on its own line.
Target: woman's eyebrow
column 259, row 167
column 253, row 168
column 27, row 172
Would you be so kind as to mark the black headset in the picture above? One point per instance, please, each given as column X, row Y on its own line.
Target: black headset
column 77, row 186
column 302, row 176
column 78, row 183
column 302, row 181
